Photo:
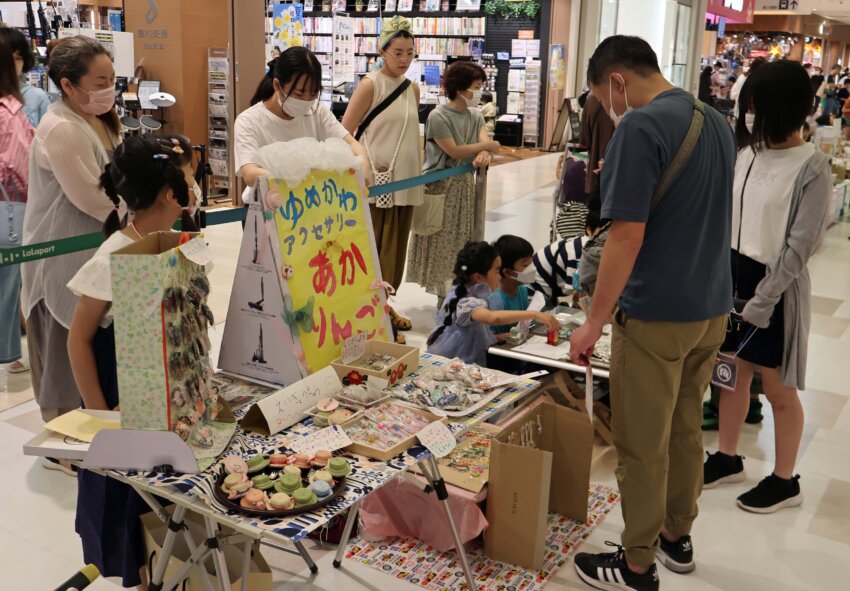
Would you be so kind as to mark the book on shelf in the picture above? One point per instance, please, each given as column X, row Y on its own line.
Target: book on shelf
column 405, row 6
column 308, row 5
column 390, row 6
column 469, row 5
column 374, row 6
column 339, row 6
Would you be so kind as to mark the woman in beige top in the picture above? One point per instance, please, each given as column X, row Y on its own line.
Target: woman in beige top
column 395, row 129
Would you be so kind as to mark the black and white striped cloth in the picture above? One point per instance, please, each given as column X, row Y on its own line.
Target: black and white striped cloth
column 555, row 266
column 570, row 220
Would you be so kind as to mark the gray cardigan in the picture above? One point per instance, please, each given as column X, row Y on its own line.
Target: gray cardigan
column 788, row 275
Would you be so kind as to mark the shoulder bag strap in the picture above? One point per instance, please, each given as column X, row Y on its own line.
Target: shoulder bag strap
column 741, row 225
column 381, row 107
column 682, row 156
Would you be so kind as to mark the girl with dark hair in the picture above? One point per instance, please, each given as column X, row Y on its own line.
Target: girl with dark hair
column 72, row 146
column 706, row 92
column 153, row 177
column 36, row 100
column 285, row 107
column 392, row 144
column 15, row 141
column 781, row 199
column 455, row 134
column 465, row 317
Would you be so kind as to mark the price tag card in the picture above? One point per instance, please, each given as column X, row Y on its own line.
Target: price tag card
column 377, row 385
column 353, row 348
column 330, row 438
column 197, row 251
column 438, row 439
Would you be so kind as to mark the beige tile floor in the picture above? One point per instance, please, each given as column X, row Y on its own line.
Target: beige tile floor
column 800, row 549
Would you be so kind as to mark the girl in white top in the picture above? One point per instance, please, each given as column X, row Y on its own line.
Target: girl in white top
column 284, row 108
column 153, row 176
column 69, row 152
column 780, row 198
column 392, row 139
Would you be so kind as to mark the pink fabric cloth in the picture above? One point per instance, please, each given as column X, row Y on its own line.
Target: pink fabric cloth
column 16, row 135
column 402, row 509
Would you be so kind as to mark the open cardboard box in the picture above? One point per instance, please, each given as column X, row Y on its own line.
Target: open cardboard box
column 406, row 362
column 526, row 483
column 388, row 454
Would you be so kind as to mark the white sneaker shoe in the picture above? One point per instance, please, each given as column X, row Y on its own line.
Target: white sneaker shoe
column 52, row 464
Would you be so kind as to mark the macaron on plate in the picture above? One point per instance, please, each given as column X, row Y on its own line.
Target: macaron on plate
column 272, row 486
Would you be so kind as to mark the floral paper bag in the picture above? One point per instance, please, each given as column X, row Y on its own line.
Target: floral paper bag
column 161, row 336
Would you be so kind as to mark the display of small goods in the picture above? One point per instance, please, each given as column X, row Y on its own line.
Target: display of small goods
column 363, row 395
column 239, row 392
column 383, row 431
column 187, row 342
column 455, row 388
column 281, row 484
column 389, row 361
column 468, row 465
column 330, row 411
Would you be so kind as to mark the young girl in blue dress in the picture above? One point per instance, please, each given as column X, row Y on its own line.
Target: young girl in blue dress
column 153, row 176
column 465, row 317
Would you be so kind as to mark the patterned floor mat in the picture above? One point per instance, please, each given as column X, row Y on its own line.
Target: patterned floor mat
column 417, row 563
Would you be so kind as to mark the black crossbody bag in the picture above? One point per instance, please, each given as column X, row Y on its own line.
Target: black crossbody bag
column 380, row 108
column 736, row 321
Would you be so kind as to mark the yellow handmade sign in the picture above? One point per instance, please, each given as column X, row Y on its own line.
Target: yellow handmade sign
column 330, row 263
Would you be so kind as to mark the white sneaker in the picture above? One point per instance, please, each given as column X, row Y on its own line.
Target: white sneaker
column 52, row 464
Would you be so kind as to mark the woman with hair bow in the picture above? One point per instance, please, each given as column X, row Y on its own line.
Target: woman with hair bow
column 384, row 110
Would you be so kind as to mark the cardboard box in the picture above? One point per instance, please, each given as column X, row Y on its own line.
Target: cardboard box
column 259, row 579
column 526, row 483
column 407, row 361
column 388, row 454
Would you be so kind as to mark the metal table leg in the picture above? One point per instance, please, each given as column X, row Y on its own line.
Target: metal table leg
column 175, row 524
column 346, row 533
column 431, row 471
column 246, row 564
column 306, row 556
column 218, row 554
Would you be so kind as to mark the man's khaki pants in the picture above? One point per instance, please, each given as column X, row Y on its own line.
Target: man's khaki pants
column 659, row 375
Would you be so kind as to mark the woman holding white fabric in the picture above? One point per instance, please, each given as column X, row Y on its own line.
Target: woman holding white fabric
column 285, row 108
column 385, row 112
column 72, row 146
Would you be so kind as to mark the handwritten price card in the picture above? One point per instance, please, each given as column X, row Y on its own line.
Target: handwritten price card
column 437, row 438
column 326, row 239
column 330, row 438
column 288, row 406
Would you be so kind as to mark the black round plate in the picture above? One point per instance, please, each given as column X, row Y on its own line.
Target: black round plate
column 338, row 489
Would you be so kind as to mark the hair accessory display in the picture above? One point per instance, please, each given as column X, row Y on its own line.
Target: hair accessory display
column 455, row 387
column 386, row 425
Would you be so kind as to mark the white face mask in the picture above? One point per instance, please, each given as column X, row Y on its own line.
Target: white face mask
column 527, row 275
column 611, row 113
column 199, row 195
column 295, row 107
column 476, row 98
column 749, row 121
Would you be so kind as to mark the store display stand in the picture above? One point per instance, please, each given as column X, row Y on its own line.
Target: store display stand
column 128, row 449
column 431, row 470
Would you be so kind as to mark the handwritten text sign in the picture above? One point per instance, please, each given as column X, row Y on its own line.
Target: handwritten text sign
column 438, row 439
column 353, row 348
column 286, row 407
column 330, row 438
column 326, row 239
column 197, row 251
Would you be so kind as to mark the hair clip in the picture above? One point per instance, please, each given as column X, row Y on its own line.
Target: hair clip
column 160, row 156
column 463, row 268
column 177, row 150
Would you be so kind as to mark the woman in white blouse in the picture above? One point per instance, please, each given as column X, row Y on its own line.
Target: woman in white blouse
column 285, row 108
column 70, row 150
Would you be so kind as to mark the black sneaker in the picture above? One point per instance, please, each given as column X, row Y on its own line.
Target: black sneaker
column 722, row 469
column 610, row 572
column 678, row 556
column 772, row 494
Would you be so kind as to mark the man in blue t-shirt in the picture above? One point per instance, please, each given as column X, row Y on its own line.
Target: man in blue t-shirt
column 665, row 274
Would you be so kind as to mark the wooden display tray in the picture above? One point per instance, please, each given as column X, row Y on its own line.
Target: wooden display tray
column 338, row 489
column 388, row 454
column 406, row 362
